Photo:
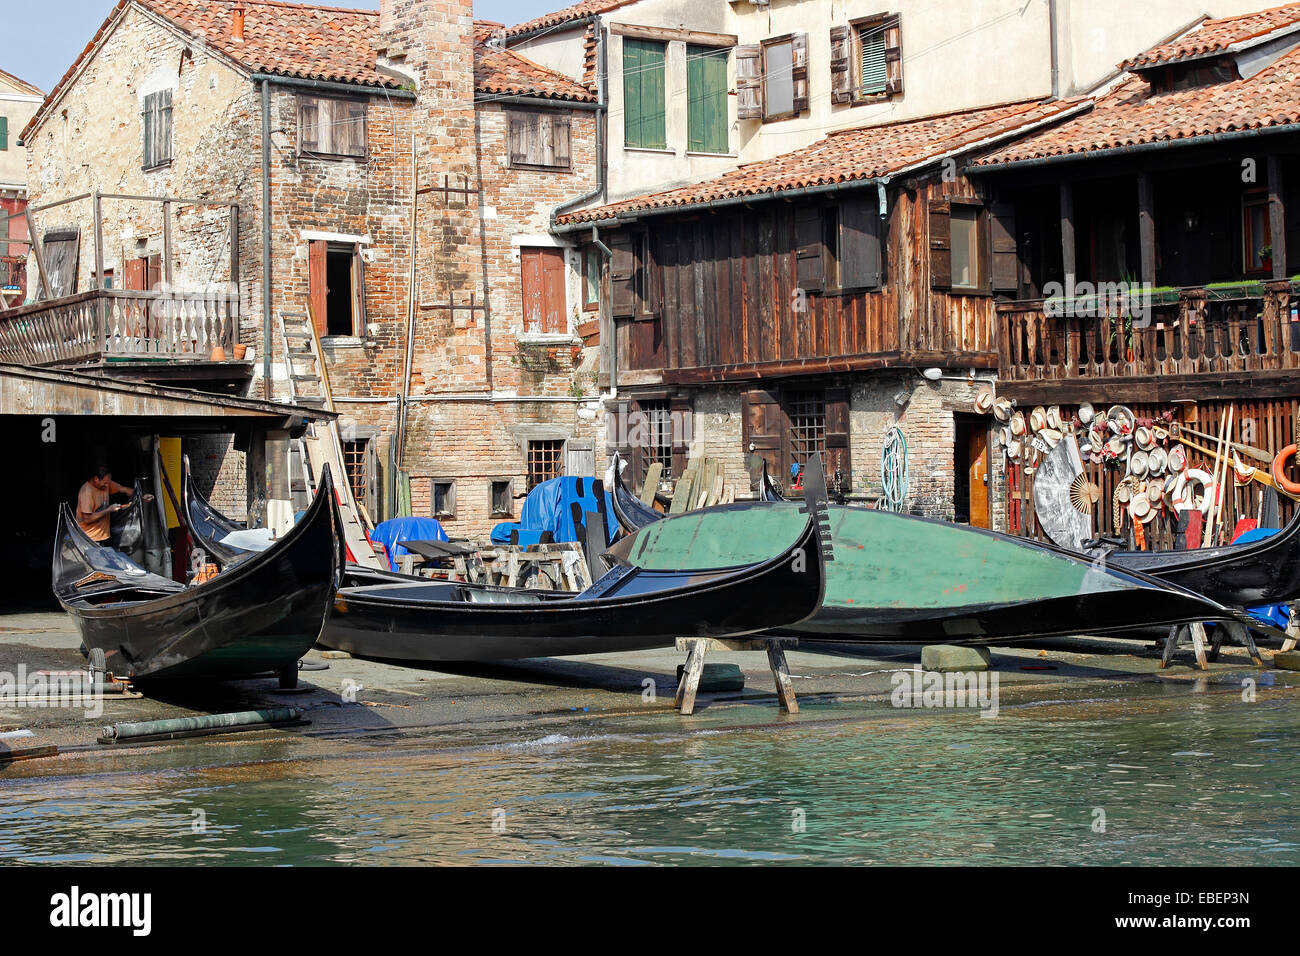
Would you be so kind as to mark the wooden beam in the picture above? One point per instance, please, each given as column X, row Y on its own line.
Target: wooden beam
column 1276, row 216
column 1215, row 387
column 1147, row 227
column 101, row 304
column 38, row 252
column 823, row 366
column 667, row 34
column 1068, row 249
column 167, row 243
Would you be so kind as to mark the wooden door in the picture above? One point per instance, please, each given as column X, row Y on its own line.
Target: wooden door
column 543, row 290
column 318, row 284
column 979, row 478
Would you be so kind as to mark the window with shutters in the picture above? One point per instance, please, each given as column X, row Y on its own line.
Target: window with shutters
column 867, row 59
column 839, row 247
column 785, row 76
column 540, row 140
column 4, row 133
column 543, row 290
column 630, row 276
column 706, row 94
column 644, row 96
column 156, row 124
column 331, row 128
column 967, row 248
column 590, row 279
column 336, row 288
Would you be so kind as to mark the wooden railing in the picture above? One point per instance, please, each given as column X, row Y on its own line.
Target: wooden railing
column 116, row 324
column 1198, row 331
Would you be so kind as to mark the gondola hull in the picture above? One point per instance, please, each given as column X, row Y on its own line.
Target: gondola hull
column 897, row 578
column 261, row 614
column 625, row 610
column 1243, row 575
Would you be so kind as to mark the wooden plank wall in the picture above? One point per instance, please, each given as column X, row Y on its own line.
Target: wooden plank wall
column 723, row 291
column 1269, row 425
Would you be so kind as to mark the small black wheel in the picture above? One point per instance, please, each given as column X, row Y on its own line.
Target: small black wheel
column 289, row 676
column 97, row 665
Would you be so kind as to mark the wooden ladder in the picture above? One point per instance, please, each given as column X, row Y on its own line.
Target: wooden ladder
column 322, row 444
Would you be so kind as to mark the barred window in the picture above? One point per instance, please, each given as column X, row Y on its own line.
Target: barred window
column 545, row 461
column 356, row 460
column 656, row 435
column 806, row 411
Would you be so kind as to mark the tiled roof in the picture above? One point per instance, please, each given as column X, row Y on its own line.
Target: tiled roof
column 507, row 73
column 860, row 154
column 578, row 11
column 1219, row 36
column 1131, row 115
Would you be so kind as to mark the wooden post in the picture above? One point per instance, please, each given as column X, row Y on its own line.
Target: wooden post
column 100, row 301
column 1147, row 228
column 234, row 249
column 38, row 253
column 167, row 243
column 1276, row 217
column 255, row 479
column 1068, row 251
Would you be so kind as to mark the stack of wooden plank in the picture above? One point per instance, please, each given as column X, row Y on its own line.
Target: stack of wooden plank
column 701, row 486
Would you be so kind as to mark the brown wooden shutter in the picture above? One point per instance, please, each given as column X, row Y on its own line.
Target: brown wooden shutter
column 765, row 430
column 561, row 137
column 841, row 71
column 894, row 56
column 1005, row 266
column 860, row 246
column 533, row 287
column 516, row 123
column 137, row 275
column 837, row 439
column 356, row 130
column 618, row 437
column 318, row 284
column 554, row 318
column 749, row 81
column 153, row 272
column 309, row 124
column 810, row 246
column 359, row 285
column 799, row 71
column 622, row 276
column 940, row 244
column 680, row 409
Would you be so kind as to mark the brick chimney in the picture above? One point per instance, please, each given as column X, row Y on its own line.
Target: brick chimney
column 237, row 26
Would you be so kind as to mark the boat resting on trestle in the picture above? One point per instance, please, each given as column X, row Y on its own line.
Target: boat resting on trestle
column 901, row 578
column 626, row 609
column 261, row 614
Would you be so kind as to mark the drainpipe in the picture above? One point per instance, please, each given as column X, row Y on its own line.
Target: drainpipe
column 602, row 118
column 1052, row 26
column 266, row 239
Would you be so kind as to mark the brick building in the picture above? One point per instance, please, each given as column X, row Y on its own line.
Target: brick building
column 412, row 169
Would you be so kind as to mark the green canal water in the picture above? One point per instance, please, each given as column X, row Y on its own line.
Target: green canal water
column 1204, row 779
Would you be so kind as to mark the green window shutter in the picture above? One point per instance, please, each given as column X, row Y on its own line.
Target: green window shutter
column 706, row 71
column 4, row 132
column 875, row 72
column 643, row 93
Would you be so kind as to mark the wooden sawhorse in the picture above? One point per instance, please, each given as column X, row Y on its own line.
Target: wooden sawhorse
column 1237, row 631
column 697, row 647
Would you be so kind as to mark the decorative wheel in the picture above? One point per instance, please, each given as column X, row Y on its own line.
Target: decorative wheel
column 97, row 665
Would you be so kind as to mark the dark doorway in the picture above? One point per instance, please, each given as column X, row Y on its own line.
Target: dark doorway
column 335, row 288
column 970, row 461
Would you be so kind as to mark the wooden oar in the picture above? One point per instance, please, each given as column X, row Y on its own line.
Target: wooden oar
column 1249, row 451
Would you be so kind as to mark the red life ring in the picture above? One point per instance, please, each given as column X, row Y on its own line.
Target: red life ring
column 1279, row 474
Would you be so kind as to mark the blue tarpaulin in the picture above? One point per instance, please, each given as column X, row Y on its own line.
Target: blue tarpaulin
column 394, row 531
column 1279, row 615
column 549, row 507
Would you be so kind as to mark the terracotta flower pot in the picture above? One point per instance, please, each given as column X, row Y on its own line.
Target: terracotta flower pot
column 240, row 352
column 218, row 354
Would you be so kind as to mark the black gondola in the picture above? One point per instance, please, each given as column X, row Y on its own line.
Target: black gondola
column 207, row 525
column 260, row 614
column 626, row 609
column 628, row 509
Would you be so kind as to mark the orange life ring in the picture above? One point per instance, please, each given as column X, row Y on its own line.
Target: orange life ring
column 1279, row 475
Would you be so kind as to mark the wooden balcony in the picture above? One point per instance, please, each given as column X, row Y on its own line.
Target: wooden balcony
column 1245, row 331
column 111, row 325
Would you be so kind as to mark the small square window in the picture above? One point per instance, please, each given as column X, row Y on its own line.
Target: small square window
column 545, row 461
column 967, row 248
column 444, row 499
column 502, row 498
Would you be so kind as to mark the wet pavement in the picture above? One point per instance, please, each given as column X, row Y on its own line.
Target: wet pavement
column 585, row 759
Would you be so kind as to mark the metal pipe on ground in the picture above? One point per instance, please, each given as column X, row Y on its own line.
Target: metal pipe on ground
column 184, row 726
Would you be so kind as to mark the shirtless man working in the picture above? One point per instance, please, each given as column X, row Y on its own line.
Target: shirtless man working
column 93, row 508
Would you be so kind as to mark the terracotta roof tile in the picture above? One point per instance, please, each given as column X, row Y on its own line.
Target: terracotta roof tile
column 578, row 11
column 506, row 72
column 22, row 85
column 1131, row 114
column 859, row 154
column 1218, row 36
